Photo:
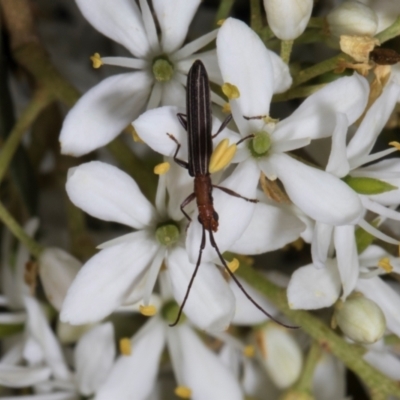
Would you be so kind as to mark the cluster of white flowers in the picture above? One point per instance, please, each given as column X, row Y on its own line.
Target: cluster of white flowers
column 338, row 207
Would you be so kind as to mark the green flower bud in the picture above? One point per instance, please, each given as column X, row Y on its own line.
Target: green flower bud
column 368, row 186
column 360, row 319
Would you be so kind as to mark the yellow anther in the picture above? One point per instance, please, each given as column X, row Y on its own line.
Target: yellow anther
column 395, row 144
column 249, row 351
column 161, row 169
column 96, row 60
column 222, row 155
column 125, row 346
column 148, row 311
column 220, row 22
column 384, row 263
column 226, row 108
column 183, row 392
column 233, row 265
column 230, row 91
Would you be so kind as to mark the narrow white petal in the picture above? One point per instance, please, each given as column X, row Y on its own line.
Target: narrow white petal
column 338, row 164
column 104, row 281
column 357, row 162
column 245, row 62
column 267, row 168
column 153, row 274
column 246, row 313
column 374, row 121
column 203, row 372
column 385, row 362
column 376, row 232
column 119, row 20
column 107, row 193
column 173, row 31
column 315, row 117
column 189, row 49
column 234, row 213
column 270, row 229
column 311, row 288
column 12, row 318
column 155, row 96
column 321, row 242
column 282, row 146
column 149, row 26
column 347, row 257
column 173, row 93
column 380, row 209
column 41, row 332
column 211, row 303
column 134, row 376
column 18, row 377
column 47, row 396
column 318, row 194
column 386, row 298
column 94, row 356
column 282, row 77
column 104, row 111
column 125, row 62
column 153, row 126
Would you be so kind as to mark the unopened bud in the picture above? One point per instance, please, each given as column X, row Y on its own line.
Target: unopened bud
column 281, row 354
column 352, row 18
column 360, row 319
column 288, row 18
column 57, row 270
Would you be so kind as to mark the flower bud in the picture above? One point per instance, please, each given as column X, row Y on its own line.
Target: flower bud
column 281, row 354
column 360, row 319
column 288, row 18
column 57, row 270
column 352, row 18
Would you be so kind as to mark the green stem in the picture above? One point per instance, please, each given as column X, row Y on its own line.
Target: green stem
column 34, row 248
column 286, row 50
column 255, row 16
column 349, row 354
column 304, row 384
column 224, row 10
column 39, row 101
column 390, row 32
column 298, row 92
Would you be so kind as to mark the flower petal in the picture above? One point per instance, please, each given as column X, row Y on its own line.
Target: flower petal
column 18, row 377
column 104, row 281
column 172, row 33
column 347, row 257
column 320, row 195
column 173, row 94
column 94, row 357
column 119, row 20
column 270, row 228
column 234, row 213
column 321, row 242
column 203, row 372
column 282, row 77
column 40, row 331
column 107, row 193
column 134, row 376
column 311, row 288
column 104, row 111
column 315, row 117
column 372, row 124
column 211, row 303
column 338, row 164
column 245, row 62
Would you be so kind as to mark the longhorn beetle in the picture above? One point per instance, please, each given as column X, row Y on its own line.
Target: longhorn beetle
column 198, row 124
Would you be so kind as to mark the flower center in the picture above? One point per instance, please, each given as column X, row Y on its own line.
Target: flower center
column 260, row 144
column 170, row 311
column 162, row 69
column 167, row 233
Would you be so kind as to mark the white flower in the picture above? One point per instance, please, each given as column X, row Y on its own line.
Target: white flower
column 105, row 110
column 288, row 18
column 245, row 63
column 346, row 162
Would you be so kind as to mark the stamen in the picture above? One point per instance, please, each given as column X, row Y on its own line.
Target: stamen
column 136, row 138
column 183, row 392
column 161, row 169
column 148, row 311
column 226, row 108
column 220, row 22
column 230, row 91
column 384, row 263
column 125, row 347
column 222, row 155
column 233, row 265
column 395, row 144
column 249, row 351
column 96, row 60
